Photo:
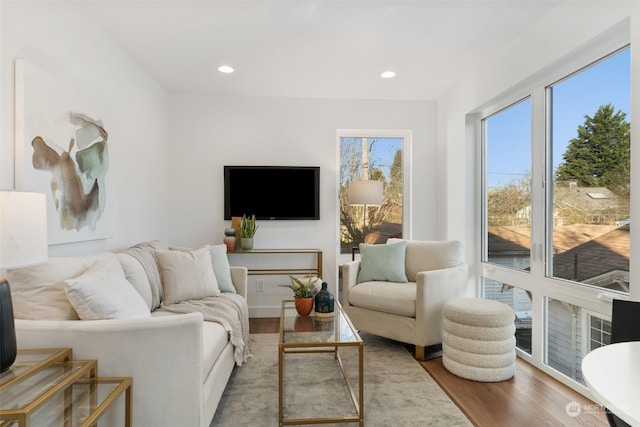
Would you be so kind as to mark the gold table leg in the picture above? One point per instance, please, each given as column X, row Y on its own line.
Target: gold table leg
column 280, row 384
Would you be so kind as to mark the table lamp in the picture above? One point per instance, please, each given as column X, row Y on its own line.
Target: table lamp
column 366, row 192
column 23, row 241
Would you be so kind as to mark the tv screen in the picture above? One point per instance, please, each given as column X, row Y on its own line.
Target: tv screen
column 272, row 192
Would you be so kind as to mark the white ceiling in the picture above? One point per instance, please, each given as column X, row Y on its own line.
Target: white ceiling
column 320, row 48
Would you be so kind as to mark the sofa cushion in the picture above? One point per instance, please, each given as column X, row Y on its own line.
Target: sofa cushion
column 383, row 262
column 221, row 268
column 388, row 297
column 426, row 255
column 103, row 292
column 186, row 275
column 144, row 253
column 38, row 292
column 135, row 274
column 214, row 340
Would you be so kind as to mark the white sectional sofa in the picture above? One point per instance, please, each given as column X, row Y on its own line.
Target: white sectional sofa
column 180, row 363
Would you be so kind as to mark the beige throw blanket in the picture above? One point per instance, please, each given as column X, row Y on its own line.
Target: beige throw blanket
column 143, row 252
column 229, row 310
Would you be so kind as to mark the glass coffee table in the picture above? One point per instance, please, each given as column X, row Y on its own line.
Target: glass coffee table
column 313, row 335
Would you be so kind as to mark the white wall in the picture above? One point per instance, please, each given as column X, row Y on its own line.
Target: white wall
column 566, row 28
column 167, row 152
column 208, row 132
column 57, row 39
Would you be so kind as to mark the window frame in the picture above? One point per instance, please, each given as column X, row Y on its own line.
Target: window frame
column 594, row 301
column 484, row 216
column 407, row 143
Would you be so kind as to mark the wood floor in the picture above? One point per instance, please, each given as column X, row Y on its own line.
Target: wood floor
column 530, row 398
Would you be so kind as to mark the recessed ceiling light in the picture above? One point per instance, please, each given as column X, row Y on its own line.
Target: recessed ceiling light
column 225, row 69
column 388, row 75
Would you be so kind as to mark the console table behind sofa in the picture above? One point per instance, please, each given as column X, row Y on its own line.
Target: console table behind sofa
column 317, row 270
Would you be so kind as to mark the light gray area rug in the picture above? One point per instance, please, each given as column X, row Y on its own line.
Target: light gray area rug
column 398, row 391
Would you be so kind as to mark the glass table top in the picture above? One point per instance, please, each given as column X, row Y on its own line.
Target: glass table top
column 295, row 329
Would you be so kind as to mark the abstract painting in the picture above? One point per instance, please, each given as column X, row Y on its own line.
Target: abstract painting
column 62, row 149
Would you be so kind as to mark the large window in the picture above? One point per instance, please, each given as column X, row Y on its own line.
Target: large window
column 555, row 206
column 507, row 136
column 591, row 165
column 373, row 158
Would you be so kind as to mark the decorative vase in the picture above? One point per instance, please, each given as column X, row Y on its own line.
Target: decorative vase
column 324, row 302
column 304, row 306
column 235, row 224
column 230, row 239
column 8, row 347
column 246, row 243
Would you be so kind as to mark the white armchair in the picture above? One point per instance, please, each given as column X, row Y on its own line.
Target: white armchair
column 379, row 300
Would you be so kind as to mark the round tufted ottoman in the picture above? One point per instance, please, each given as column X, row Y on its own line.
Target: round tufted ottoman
column 478, row 339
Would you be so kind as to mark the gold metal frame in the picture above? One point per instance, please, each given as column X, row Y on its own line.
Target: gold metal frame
column 283, row 271
column 73, row 373
column 322, row 347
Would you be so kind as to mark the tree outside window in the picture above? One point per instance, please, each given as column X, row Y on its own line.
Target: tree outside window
column 567, row 168
column 374, row 159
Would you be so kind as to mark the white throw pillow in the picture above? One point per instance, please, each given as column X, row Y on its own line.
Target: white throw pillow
column 430, row 255
column 135, row 274
column 144, row 253
column 103, row 292
column 221, row 266
column 186, row 275
column 38, row 292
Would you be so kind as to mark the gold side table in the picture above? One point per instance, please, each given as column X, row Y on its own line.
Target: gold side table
column 47, row 385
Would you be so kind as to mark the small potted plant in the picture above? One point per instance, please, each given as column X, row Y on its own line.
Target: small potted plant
column 248, row 229
column 304, row 290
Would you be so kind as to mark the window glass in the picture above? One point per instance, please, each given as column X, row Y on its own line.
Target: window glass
column 520, row 301
column 507, row 186
column 571, row 333
column 377, row 159
column 600, row 333
column 556, row 178
column 589, row 217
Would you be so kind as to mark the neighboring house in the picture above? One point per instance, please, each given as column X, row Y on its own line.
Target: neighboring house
column 509, row 246
column 581, row 214
column 594, row 254
column 588, row 205
column 603, row 261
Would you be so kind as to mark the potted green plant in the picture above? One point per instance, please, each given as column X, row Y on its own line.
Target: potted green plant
column 304, row 290
column 248, row 229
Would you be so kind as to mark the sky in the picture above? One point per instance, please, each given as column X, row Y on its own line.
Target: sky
column 509, row 131
column 382, row 153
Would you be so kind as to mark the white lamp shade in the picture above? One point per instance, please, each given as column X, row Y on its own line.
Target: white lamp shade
column 23, row 229
column 365, row 192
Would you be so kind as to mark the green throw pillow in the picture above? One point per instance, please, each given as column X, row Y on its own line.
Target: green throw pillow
column 383, row 262
column 221, row 268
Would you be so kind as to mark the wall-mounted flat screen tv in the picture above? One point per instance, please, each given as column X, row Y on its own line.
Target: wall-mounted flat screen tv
column 272, row 192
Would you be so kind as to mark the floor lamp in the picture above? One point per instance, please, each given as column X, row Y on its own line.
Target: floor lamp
column 365, row 193
column 23, row 241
